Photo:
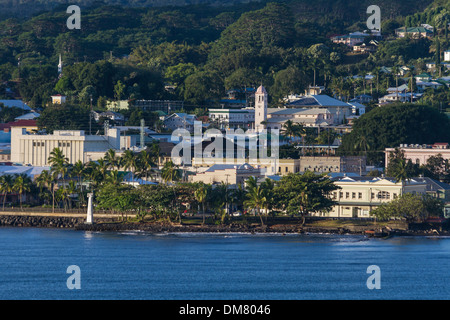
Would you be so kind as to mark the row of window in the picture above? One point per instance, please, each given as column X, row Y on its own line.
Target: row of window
column 60, row 144
column 382, row 195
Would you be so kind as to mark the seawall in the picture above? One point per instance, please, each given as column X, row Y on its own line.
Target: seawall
column 46, row 220
column 108, row 222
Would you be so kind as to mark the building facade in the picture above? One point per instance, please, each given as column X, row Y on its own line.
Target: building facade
column 233, row 118
column 419, row 154
column 358, row 197
column 227, row 173
column 34, row 149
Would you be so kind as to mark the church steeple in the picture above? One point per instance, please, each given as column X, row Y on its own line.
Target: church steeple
column 60, row 65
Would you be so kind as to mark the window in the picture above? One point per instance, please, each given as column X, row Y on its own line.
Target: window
column 347, row 195
column 359, row 195
column 384, row 195
column 353, row 195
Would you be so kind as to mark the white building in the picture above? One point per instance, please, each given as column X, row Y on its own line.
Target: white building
column 34, row 149
column 179, row 121
column 233, row 118
column 338, row 109
column 58, row 99
column 447, row 55
column 359, row 196
column 307, row 117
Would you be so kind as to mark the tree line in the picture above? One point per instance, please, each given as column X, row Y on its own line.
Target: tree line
column 296, row 195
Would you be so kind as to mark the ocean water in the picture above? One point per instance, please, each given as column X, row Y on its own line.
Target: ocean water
column 137, row 265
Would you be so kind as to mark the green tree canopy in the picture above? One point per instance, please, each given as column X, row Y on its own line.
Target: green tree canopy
column 396, row 124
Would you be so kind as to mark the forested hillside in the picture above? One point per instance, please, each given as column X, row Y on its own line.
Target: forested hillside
column 201, row 50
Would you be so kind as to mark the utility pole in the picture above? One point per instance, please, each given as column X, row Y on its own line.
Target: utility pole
column 142, row 133
column 90, row 119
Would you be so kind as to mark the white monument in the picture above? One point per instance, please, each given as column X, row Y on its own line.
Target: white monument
column 90, row 215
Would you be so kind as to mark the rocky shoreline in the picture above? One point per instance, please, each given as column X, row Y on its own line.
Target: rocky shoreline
column 108, row 225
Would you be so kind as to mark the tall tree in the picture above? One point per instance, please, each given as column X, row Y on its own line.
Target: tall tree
column 304, row 194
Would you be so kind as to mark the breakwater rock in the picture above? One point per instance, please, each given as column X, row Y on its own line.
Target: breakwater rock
column 39, row 221
column 172, row 228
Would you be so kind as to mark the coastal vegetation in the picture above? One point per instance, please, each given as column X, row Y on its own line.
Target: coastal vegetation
column 295, row 196
column 66, row 186
column 392, row 125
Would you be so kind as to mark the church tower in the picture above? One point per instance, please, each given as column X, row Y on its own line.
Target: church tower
column 60, row 65
column 261, row 101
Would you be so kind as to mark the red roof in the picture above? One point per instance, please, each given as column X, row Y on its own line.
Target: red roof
column 18, row 123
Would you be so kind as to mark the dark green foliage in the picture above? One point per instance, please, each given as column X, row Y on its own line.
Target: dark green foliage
column 65, row 117
column 392, row 125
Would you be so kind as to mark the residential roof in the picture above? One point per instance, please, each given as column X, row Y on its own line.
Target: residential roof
column 423, row 75
column 433, row 185
column 217, row 167
column 321, row 100
column 287, row 111
column 414, row 29
column 29, row 171
column 19, row 123
column 28, row 116
column 403, row 87
column 15, row 103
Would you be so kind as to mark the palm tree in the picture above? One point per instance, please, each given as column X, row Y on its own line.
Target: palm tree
column 112, row 159
column 144, row 163
column 71, row 190
column 59, row 163
column 155, row 150
column 169, row 172
column 6, row 186
column 256, row 200
column 200, row 195
column 78, row 170
column 102, row 167
column 288, row 129
column 129, row 161
column 238, row 196
column 113, row 177
column 267, row 186
column 291, row 130
column 251, row 183
column 395, row 71
column 402, row 172
column 364, row 143
column 45, row 179
column 22, row 184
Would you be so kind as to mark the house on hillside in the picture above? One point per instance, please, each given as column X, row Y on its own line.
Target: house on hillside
column 179, row 121
column 413, row 32
column 15, row 104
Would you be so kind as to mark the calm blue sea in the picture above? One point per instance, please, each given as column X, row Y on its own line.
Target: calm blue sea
column 138, row 265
